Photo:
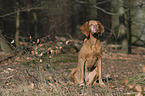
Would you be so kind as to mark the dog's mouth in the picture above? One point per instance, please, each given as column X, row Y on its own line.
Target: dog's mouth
column 95, row 32
column 94, row 29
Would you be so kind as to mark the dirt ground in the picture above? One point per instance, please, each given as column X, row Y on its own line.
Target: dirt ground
column 122, row 74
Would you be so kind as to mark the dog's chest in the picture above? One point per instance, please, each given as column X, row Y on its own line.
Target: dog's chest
column 93, row 48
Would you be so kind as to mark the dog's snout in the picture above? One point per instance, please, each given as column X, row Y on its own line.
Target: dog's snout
column 94, row 29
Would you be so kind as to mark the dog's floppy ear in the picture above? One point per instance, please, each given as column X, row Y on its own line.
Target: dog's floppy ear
column 85, row 28
column 101, row 27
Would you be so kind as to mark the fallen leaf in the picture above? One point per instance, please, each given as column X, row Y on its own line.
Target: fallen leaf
column 139, row 94
column 138, row 88
column 143, row 68
column 131, row 85
column 40, row 54
column 107, row 75
column 40, row 60
column 12, row 41
column 123, row 86
column 38, row 40
column 31, row 86
column 125, row 81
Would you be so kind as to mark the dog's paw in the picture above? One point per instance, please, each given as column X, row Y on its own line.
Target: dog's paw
column 81, row 84
column 102, row 84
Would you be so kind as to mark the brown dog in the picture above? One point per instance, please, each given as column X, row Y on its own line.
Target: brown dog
column 90, row 52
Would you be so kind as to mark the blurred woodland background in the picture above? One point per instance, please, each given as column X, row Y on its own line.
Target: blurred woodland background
column 39, row 41
column 20, row 20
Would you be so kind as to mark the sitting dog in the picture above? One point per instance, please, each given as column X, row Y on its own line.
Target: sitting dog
column 90, row 53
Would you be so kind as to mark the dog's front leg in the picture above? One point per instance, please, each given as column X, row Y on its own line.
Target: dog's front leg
column 92, row 77
column 100, row 72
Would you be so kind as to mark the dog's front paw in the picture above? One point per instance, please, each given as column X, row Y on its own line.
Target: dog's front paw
column 102, row 84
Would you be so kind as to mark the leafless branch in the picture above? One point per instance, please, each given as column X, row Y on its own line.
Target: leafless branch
column 98, row 3
column 7, row 77
column 110, row 13
column 23, row 10
column 32, row 76
column 8, row 14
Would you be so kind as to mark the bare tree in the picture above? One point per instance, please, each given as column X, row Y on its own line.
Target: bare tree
column 123, row 27
column 17, row 24
column 92, row 12
column 137, row 11
column 120, row 23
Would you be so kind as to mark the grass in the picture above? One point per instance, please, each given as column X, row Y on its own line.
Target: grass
column 38, row 80
column 62, row 58
column 139, row 79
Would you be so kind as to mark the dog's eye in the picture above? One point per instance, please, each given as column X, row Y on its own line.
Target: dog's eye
column 97, row 25
column 91, row 24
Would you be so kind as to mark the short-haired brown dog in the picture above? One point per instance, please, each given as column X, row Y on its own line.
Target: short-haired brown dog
column 90, row 53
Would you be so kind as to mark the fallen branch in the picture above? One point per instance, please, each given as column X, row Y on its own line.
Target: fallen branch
column 114, row 46
column 7, row 56
column 7, row 77
column 32, row 76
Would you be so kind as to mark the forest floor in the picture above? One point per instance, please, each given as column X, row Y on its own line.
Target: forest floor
column 28, row 75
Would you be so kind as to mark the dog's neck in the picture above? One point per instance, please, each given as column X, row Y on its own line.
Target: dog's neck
column 93, row 39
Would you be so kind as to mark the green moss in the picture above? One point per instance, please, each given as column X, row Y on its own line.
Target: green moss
column 139, row 79
column 64, row 58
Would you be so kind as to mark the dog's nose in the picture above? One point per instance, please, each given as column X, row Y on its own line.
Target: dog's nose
column 94, row 29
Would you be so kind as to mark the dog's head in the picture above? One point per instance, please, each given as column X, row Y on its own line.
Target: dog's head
column 93, row 27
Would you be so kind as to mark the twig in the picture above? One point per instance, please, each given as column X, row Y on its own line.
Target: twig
column 69, row 36
column 129, row 93
column 110, row 13
column 52, row 86
column 7, row 77
column 28, row 9
column 98, row 3
column 9, row 56
column 52, row 70
column 32, row 76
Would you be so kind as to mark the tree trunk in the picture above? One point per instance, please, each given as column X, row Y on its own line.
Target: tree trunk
column 75, row 8
column 123, row 28
column 120, row 24
column 59, row 18
column 115, row 18
column 35, row 25
column 3, row 44
column 137, row 22
column 17, row 26
column 91, row 11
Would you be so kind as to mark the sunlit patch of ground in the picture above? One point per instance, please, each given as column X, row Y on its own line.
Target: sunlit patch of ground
column 27, row 75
